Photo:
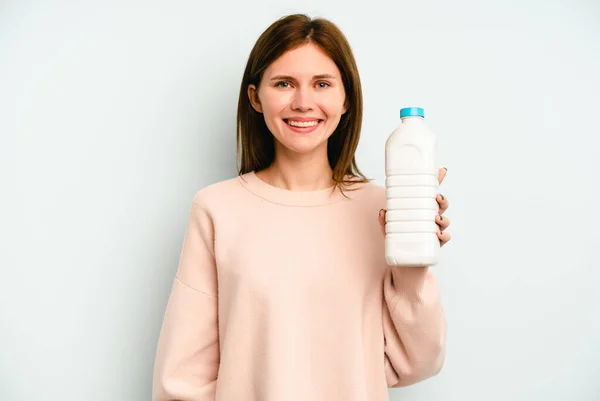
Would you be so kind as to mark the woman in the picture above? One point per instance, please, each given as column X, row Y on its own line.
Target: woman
column 283, row 292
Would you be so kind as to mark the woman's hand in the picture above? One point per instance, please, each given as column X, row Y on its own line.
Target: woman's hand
column 442, row 222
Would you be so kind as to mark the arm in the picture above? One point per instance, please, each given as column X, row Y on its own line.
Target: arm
column 187, row 357
column 414, row 325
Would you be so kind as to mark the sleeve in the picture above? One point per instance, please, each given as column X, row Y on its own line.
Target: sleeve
column 414, row 325
column 187, row 356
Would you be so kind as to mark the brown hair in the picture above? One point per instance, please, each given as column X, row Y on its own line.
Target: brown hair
column 255, row 143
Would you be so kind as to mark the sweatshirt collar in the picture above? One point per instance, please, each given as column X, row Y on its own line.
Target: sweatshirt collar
column 287, row 197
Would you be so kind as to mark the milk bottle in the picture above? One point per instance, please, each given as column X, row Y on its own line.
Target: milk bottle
column 411, row 168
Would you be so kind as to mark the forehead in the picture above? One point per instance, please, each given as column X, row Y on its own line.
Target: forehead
column 304, row 61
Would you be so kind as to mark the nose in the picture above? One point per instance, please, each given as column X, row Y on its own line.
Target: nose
column 302, row 100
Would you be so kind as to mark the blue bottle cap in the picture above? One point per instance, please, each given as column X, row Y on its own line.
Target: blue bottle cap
column 412, row 111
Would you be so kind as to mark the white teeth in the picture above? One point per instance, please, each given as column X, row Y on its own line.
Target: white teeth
column 303, row 123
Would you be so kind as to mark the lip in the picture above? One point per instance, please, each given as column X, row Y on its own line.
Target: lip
column 303, row 119
column 303, row 130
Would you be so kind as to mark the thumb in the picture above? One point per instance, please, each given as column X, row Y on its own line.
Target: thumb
column 381, row 219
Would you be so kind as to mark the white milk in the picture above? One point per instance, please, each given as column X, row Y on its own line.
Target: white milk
column 411, row 168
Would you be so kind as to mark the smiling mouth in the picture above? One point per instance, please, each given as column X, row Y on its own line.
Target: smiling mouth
column 302, row 124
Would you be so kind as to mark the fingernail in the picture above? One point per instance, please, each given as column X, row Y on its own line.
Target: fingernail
column 380, row 210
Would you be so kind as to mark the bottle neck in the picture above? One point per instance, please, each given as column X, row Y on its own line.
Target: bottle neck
column 412, row 120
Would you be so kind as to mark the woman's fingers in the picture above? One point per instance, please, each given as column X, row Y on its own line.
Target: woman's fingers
column 442, row 221
column 443, row 237
column 443, row 202
column 442, row 174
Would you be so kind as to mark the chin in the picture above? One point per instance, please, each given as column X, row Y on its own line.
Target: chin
column 301, row 148
column 301, row 143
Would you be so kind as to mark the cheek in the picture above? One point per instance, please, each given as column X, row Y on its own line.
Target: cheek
column 274, row 103
column 333, row 104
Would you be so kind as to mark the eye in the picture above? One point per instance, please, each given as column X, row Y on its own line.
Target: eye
column 323, row 84
column 282, row 84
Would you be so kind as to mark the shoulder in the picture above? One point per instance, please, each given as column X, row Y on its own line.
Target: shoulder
column 370, row 193
column 374, row 190
column 217, row 193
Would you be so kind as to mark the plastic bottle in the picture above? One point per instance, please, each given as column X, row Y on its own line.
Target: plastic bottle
column 411, row 167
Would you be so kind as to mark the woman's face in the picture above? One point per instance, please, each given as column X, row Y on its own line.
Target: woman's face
column 302, row 98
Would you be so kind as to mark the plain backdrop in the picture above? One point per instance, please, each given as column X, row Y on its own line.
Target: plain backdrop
column 114, row 113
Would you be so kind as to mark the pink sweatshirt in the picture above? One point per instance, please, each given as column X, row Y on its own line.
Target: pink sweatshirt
column 286, row 296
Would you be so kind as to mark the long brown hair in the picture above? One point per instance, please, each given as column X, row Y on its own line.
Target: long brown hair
column 255, row 143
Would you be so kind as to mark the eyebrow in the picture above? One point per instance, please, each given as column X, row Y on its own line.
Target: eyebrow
column 290, row 78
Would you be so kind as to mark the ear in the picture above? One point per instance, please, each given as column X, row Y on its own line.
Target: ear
column 253, row 96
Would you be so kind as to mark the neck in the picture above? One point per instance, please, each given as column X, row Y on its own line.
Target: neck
column 298, row 172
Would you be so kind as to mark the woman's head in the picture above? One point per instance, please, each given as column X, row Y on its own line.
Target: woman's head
column 300, row 93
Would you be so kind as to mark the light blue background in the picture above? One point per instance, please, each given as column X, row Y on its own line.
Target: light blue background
column 113, row 114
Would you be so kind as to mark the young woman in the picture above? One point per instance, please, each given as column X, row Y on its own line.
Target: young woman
column 282, row 291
